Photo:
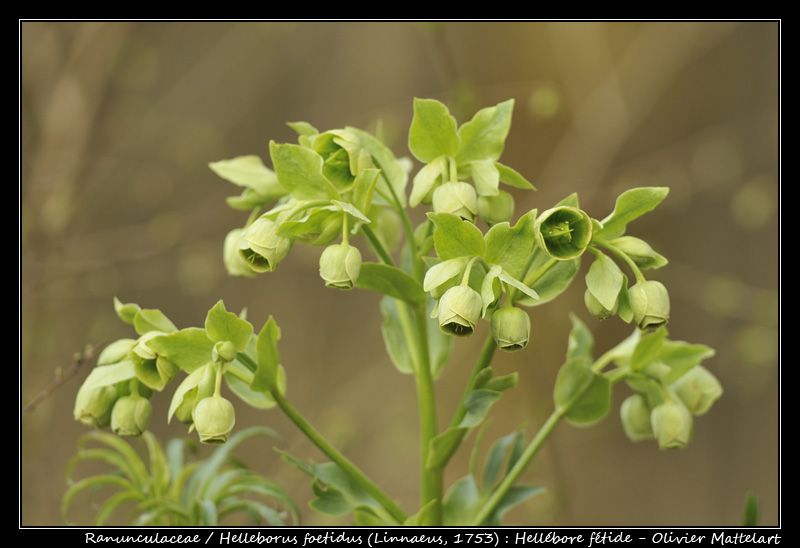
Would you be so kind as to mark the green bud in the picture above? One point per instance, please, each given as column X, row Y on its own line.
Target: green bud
column 116, row 352
column 496, row 209
column 596, row 309
column 456, row 198
column 214, row 418
column 639, row 252
column 340, row 265
column 650, row 304
column 635, row 415
column 235, row 263
column 672, row 425
column 262, row 247
column 131, row 415
column 563, row 232
column 93, row 406
column 459, row 310
column 224, row 351
column 511, row 328
column 698, row 389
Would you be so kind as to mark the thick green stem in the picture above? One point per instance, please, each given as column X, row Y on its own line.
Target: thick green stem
column 513, row 475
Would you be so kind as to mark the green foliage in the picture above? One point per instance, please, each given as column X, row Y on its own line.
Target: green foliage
column 170, row 491
column 344, row 190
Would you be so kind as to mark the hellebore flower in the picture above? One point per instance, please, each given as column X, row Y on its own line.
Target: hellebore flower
column 456, row 198
column 235, row 263
column 650, row 304
column 262, row 247
column 131, row 415
column 672, row 425
column 596, row 309
column 459, row 310
column 93, row 406
column 340, row 265
column 698, row 389
column 511, row 328
column 214, row 418
column 563, row 232
column 635, row 417
column 496, row 209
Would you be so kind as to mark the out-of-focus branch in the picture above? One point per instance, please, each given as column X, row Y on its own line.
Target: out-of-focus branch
column 88, row 354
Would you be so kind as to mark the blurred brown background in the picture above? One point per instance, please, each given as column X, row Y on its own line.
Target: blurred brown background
column 119, row 120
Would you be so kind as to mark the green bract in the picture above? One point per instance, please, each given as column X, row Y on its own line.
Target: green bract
column 650, row 304
column 131, row 415
column 596, row 308
column 563, row 232
column 672, row 425
column 262, row 247
column 511, row 328
column 214, row 418
column 340, row 265
column 459, row 310
column 456, row 198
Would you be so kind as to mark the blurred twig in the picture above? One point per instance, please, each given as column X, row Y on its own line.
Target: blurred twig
column 89, row 354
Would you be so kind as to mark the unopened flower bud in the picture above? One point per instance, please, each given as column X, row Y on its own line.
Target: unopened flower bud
column 596, row 309
column 214, row 418
column 635, row 415
column 639, row 252
column 456, row 198
column 131, row 415
column 262, row 247
column 340, row 265
column 93, row 406
column 459, row 310
column 496, row 209
column 650, row 304
column 224, row 351
column 511, row 328
column 563, row 232
column 698, row 389
column 672, row 425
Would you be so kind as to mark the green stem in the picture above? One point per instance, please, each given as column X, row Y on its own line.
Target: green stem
column 332, row 453
column 484, row 359
column 530, row 451
column 622, row 256
column 377, row 245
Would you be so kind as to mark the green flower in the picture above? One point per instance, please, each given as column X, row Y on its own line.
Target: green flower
column 214, row 418
column 131, row 415
column 563, row 232
column 672, row 425
column 235, row 263
column 635, row 415
column 459, row 310
column 650, row 304
column 698, row 389
column 93, row 406
column 596, row 309
column 262, row 247
column 511, row 328
column 496, row 209
column 456, row 198
column 340, row 265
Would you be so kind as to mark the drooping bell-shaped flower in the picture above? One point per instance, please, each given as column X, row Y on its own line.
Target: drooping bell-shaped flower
column 459, row 310
column 340, row 265
column 456, row 198
column 698, row 389
column 511, row 328
column 635, row 415
column 131, row 415
column 214, row 418
column 262, row 247
column 596, row 308
column 650, row 304
column 672, row 425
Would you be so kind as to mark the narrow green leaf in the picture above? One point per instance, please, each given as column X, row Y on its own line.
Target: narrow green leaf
column 477, row 404
column 433, row 131
column 394, row 337
column 630, row 205
column 515, row 496
column 455, row 237
column 106, row 375
column 750, row 515
column 444, row 446
column 187, row 385
column 512, row 178
column 461, row 502
column 249, row 172
column 391, row 171
column 426, row 179
column 147, row 320
column 390, row 281
column 299, row 170
column 515, row 283
column 269, row 359
column 548, row 277
column 584, row 395
column 580, row 341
